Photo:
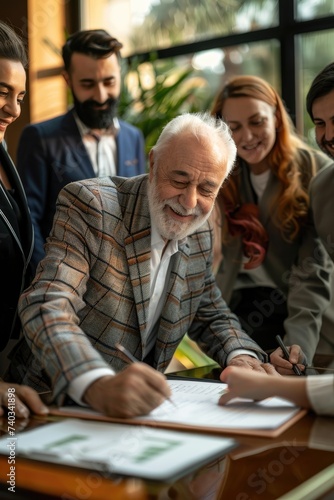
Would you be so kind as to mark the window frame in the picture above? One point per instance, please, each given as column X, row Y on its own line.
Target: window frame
column 286, row 33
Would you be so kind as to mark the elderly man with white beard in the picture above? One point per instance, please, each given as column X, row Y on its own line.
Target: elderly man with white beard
column 128, row 262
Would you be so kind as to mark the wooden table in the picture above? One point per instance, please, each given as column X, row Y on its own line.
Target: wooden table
column 299, row 464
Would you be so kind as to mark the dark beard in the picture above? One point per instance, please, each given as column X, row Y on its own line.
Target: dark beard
column 323, row 146
column 96, row 118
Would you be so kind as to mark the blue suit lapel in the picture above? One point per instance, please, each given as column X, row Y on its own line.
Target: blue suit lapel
column 73, row 139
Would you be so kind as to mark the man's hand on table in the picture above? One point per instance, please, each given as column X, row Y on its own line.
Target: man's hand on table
column 135, row 391
column 23, row 398
column 250, row 363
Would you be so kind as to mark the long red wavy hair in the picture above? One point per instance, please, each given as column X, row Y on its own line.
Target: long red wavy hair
column 291, row 160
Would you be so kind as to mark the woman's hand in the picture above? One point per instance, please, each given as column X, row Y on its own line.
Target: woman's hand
column 257, row 386
column 243, row 383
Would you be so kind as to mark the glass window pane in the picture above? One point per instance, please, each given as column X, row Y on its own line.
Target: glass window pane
column 150, row 24
column 312, row 9
column 315, row 51
column 190, row 83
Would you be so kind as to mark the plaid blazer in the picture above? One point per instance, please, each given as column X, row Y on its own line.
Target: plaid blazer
column 92, row 289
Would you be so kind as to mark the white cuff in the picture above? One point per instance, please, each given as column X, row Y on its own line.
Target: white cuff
column 320, row 391
column 79, row 385
column 237, row 352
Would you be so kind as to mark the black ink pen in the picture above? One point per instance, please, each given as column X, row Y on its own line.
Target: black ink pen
column 287, row 355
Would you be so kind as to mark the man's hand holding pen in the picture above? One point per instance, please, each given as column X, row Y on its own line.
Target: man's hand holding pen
column 135, row 391
column 289, row 360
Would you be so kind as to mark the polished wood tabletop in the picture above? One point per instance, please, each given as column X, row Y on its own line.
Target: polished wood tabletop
column 298, row 464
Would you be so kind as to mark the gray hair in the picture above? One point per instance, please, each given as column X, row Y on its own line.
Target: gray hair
column 200, row 125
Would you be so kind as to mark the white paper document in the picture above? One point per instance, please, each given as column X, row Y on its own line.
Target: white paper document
column 119, row 449
column 195, row 405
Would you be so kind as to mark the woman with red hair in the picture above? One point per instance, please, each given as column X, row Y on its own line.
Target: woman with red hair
column 269, row 263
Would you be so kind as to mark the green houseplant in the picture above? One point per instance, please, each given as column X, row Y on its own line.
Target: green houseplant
column 154, row 92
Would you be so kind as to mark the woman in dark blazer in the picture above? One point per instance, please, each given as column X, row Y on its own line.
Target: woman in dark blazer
column 16, row 234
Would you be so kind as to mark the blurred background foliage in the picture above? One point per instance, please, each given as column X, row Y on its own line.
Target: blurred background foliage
column 157, row 91
column 172, row 22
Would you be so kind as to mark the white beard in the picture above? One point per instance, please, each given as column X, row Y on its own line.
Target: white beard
column 169, row 228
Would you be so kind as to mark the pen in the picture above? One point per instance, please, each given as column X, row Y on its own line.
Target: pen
column 319, row 368
column 131, row 358
column 286, row 354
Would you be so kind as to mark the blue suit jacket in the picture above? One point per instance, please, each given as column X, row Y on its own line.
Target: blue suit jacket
column 52, row 154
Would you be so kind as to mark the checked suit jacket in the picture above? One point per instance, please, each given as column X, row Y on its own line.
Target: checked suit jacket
column 92, row 289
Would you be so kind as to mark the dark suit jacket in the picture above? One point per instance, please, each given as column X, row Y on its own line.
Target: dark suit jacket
column 51, row 154
column 322, row 205
column 92, row 289
column 16, row 245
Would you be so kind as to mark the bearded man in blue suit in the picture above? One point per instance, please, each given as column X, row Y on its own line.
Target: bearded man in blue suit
column 88, row 141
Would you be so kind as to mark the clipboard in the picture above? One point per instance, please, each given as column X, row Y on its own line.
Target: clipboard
column 120, row 450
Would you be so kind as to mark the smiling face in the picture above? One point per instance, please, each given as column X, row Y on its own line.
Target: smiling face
column 323, row 118
column 96, row 87
column 253, row 125
column 12, row 92
column 184, row 184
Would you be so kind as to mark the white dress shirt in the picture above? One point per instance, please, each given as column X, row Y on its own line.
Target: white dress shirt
column 320, row 391
column 101, row 147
